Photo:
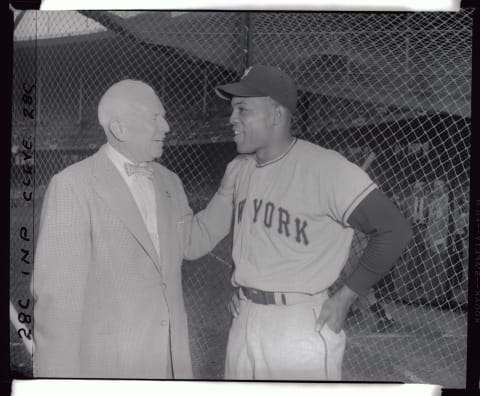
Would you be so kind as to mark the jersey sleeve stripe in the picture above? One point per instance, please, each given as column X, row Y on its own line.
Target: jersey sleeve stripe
column 372, row 186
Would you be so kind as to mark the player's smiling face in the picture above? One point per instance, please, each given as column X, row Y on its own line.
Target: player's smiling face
column 252, row 121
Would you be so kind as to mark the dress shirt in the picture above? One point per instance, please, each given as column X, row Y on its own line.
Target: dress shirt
column 142, row 190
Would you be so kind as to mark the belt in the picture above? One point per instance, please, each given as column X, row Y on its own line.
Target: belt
column 277, row 298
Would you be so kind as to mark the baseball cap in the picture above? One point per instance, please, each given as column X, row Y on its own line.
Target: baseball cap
column 260, row 81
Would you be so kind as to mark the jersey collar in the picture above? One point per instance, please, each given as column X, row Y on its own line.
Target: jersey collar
column 278, row 158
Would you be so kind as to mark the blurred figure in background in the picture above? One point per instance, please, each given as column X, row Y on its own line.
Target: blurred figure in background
column 457, row 251
column 436, row 240
column 438, row 210
column 415, row 209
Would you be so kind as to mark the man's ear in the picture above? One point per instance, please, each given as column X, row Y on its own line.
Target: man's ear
column 278, row 114
column 118, row 130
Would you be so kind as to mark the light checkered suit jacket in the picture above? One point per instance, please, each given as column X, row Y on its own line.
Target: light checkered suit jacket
column 104, row 300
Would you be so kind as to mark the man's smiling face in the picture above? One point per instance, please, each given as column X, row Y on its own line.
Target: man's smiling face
column 252, row 120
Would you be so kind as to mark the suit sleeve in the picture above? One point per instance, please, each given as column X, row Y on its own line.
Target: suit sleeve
column 60, row 273
column 204, row 230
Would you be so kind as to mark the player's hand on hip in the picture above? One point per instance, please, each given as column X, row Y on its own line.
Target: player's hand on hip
column 227, row 185
column 334, row 311
column 234, row 305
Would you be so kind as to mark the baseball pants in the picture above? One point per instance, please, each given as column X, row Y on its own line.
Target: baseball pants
column 279, row 342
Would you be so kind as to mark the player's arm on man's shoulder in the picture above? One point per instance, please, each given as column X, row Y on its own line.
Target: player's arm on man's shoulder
column 61, row 267
column 204, row 230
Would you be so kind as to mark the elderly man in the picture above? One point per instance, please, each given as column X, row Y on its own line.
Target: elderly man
column 113, row 232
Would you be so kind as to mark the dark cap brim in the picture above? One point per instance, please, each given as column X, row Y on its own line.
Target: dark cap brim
column 228, row 91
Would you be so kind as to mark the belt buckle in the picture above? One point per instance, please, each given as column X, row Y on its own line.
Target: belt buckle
column 259, row 296
column 262, row 297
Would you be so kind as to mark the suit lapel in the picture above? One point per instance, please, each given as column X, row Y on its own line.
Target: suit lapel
column 110, row 185
column 167, row 231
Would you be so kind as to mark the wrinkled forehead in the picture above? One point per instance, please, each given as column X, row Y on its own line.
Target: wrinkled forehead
column 144, row 100
column 148, row 105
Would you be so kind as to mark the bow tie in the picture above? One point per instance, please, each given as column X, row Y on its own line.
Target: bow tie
column 145, row 170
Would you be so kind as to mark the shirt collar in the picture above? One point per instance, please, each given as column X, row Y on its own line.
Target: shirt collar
column 118, row 159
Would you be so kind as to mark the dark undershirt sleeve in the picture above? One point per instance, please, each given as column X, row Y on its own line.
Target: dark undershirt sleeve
column 388, row 232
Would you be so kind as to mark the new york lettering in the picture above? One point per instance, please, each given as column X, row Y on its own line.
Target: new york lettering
column 276, row 218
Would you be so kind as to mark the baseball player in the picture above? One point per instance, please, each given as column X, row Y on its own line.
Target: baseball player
column 296, row 206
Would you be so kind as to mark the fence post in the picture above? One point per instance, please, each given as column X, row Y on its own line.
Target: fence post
column 80, row 100
column 205, row 92
column 247, row 40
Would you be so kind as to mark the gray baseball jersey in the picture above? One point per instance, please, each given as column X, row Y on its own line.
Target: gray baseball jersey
column 290, row 227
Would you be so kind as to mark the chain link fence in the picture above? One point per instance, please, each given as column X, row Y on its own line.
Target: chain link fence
column 393, row 84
